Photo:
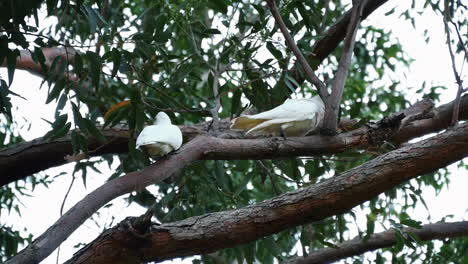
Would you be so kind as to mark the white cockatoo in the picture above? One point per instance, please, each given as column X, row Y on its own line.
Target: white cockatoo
column 294, row 118
column 160, row 138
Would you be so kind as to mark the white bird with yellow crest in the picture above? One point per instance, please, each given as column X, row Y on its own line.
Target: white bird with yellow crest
column 293, row 118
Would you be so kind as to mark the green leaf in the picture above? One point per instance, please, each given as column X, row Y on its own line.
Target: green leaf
column 95, row 67
column 235, row 101
column 92, row 130
column 92, row 18
column 212, row 31
column 11, row 64
column 273, row 50
column 55, row 92
column 243, row 184
column 116, row 58
column 219, row 5
column 411, row 223
column 271, row 246
column 77, row 116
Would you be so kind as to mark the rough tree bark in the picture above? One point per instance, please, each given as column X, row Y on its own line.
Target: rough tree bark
column 26, row 158
column 211, row 232
column 385, row 239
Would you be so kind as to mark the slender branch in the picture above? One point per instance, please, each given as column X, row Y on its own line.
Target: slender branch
column 26, row 62
column 217, row 100
column 460, row 39
column 214, row 231
column 385, row 239
column 332, row 37
column 333, row 102
column 456, row 105
column 300, row 57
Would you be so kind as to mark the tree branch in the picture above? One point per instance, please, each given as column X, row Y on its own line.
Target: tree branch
column 322, row 90
column 214, row 231
column 418, row 161
column 26, row 62
column 332, row 37
column 385, row 239
column 456, row 105
column 332, row 104
column 24, row 159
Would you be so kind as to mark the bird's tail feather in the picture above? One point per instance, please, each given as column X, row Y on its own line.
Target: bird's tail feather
column 245, row 123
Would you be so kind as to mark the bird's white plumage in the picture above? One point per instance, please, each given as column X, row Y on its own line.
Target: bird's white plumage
column 295, row 117
column 160, row 138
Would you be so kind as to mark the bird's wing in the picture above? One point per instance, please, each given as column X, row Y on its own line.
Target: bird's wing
column 169, row 134
column 271, row 126
column 245, row 122
column 296, row 109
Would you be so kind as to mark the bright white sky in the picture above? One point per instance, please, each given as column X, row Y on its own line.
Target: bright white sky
column 432, row 64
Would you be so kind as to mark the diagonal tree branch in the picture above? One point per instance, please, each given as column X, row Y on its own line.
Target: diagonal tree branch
column 330, row 120
column 300, row 57
column 385, row 239
column 456, row 105
column 24, row 159
column 332, row 37
column 214, row 231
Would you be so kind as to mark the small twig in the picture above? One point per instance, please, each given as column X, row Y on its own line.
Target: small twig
column 247, row 83
column 270, row 175
column 163, row 94
column 269, row 171
column 300, row 57
column 456, row 104
column 61, row 210
column 173, row 110
column 215, row 109
column 460, row 39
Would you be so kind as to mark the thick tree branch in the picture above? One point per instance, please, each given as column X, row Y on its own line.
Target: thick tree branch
column 385, row 239
column 26, row 61
column 214, row 231
column 300, row 57
column 26, row 158
column 332, row 104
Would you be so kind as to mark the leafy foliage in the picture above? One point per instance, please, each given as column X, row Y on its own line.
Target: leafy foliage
column 136, row 58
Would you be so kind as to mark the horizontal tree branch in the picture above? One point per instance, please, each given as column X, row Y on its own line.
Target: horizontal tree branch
column 26, row 61
column 24, row 159
column 215, row 231
column 385, row 239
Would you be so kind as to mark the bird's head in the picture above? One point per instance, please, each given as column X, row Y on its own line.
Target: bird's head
column 162, row 118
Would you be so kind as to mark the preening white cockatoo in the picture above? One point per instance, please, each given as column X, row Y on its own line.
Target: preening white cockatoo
column 160, row 138
column 294, row 118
